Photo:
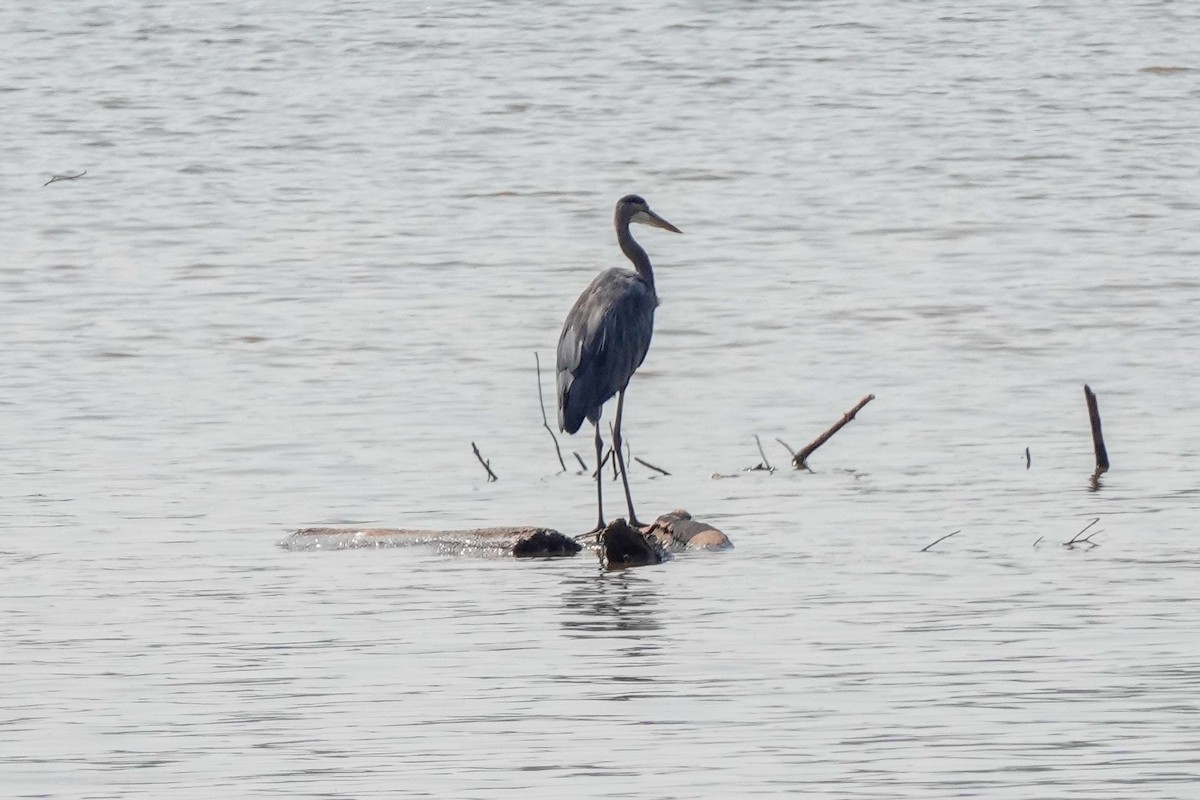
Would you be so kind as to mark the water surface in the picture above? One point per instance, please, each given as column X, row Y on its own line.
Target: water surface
column 311, row 261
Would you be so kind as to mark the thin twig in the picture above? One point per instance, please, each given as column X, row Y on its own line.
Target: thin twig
column 603, row 461
column 1076, row 540
column 651, row 466
column 935, row 541
column 800, row 460
column 579, row 458
column 486, row 464
column 612, row 437
column 765, row 463
column 1071, row 545
column 542, row 403
column 786, row 446
column 1028, row 458
column 1097, row 435
column 57, row 178
column 1035, row 544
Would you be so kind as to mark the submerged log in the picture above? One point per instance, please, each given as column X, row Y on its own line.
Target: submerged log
column 677, row 530
column 523, row 542
column 618, row 544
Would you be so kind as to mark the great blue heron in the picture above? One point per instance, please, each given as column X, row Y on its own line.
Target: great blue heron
column 605, row 338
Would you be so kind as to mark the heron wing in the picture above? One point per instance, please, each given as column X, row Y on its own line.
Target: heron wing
column 604, row 340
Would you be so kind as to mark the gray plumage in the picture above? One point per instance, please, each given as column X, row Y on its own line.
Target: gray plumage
column 606, row 337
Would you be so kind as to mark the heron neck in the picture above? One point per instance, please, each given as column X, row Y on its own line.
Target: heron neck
column 634, row 252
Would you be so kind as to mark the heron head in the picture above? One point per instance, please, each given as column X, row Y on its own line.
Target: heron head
column 634, row 208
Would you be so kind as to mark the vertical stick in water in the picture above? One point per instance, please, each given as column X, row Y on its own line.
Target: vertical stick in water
column 1097, row 434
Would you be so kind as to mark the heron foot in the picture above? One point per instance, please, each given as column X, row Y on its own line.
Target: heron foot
column 593, row 533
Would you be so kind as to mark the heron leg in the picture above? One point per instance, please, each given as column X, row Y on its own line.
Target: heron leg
column 599, row 479
column 617, row 450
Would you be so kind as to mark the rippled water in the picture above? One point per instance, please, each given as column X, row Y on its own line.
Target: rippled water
column 312, row 258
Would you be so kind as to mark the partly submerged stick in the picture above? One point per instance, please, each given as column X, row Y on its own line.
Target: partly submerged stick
column 486, row 464
column 765, row 465
column 603, row 461
column 800, row 460
column 1076, row 538
column 647, row 464
column 57, row 178
column 1097, row 434
column 541, row 402
column 935, row 541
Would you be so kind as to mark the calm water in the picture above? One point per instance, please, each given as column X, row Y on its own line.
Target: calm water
column 311, row 261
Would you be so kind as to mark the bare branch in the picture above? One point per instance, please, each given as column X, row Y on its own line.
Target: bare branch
column 486, row 464
column 541, row 402
column 607, row 455
column 1097, row 436
column 800, row 460
column 579, row 458
column 651, row 466
column 935, row 541
column 1076, row 540
column 57, row 178
column 612, row 437
column 765, row 463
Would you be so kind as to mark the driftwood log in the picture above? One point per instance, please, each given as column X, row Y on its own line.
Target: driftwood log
column 522, row 542
column 678, row 531
column 618, row 545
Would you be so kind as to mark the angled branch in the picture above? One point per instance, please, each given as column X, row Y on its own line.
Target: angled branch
column 1076, row 538
column 800, row 460
column 545, row 424
column 651, row 466
column 607, row 455
column 764, row 465
column 57, row 178
column 935, row 541
column 486, row 464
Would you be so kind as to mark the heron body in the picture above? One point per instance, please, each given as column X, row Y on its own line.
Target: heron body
column 604, row 341
column 606, row 337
